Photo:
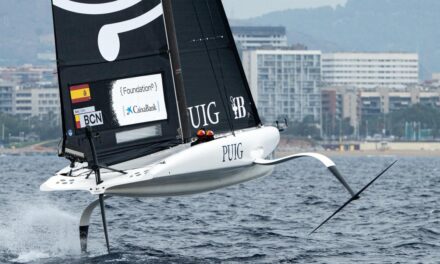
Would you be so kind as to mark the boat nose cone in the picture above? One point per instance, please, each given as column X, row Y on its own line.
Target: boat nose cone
column 45, row 187
column 257, row 153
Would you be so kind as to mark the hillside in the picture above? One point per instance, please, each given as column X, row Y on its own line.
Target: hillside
column 366, row 25
column 24, row 26
column 361, row 25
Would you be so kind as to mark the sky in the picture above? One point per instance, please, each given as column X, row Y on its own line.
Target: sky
column 239, row 9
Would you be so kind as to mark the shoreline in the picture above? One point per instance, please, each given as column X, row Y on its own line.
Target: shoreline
column 44, row 149
column 395, row 153
column 366, row 153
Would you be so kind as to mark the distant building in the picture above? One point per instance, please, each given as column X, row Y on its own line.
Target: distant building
column 39, row 101
column 28, row 74
column 385, row 100
column 249, row 38
column 436, row 76
column 285, row 83
column 340, row 104
column 6, row 97
column 29, row 91
column 370, row 70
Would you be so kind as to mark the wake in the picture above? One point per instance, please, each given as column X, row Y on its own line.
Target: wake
column 38, row 231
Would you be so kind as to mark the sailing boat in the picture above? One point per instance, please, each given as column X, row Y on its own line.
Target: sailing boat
column 155, row 103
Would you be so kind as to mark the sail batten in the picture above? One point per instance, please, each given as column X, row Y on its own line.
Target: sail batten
column 62, row 64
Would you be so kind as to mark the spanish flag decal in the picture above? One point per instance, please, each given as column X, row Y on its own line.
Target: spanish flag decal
column 80, row 93
column 78, row 121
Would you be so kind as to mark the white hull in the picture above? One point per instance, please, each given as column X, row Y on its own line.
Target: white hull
column 182, row 170
column 193, row 183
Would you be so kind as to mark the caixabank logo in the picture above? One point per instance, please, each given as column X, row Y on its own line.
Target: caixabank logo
column 109, row 35
column 135, row 109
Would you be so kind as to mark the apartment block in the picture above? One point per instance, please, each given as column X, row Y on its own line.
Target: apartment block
column 340, row 103
column 248, row 38
column 6, row 97
column 38, row 101
column 285, row 83
column 370, row 70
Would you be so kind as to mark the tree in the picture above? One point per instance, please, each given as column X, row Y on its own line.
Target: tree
column 45, row 128
column 307, row 128
column 428, row 117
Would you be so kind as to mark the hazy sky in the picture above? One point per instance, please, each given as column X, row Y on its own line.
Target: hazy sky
column 252, row 8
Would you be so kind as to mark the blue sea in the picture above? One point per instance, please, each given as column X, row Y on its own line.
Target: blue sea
column 265, row 221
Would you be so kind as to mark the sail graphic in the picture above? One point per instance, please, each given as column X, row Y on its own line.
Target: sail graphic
column 108, row 38
column 95, row 9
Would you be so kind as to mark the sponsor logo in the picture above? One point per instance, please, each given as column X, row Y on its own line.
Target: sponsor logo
column 205, row 115
column 139, row 100
column 139, row 89
column 238, row 107
column 131, row 110
column 80, row 93
column 89, row 119
column 232, row 152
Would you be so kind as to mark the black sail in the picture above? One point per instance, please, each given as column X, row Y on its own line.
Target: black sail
column 115, row 76
column 218, row 95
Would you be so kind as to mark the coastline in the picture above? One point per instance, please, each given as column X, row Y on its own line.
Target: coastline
column 366, row 153
column 409, row 153
column 43, row 149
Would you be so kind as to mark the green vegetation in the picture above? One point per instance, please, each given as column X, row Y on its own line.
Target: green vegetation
column 305, row 129
column 336, row 128
column 14, row 129
column 414, row 123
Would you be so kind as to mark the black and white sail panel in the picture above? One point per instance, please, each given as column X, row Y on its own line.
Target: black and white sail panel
column 115, row 76
column 218, row 95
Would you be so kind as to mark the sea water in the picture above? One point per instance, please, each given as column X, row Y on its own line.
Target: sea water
column 264, row 221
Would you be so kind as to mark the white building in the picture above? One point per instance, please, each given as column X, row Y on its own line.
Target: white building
column 40, row 101
column 6, row 97
column 285, row 83
column 370, row 70
column 260, row 37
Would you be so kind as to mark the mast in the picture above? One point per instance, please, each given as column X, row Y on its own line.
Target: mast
column 63, row 145
column 177, row 69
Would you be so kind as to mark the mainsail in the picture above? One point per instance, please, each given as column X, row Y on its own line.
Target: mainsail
column 116, row 75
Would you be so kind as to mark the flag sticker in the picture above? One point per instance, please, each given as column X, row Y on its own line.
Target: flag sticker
column 78, row 121
column 80, row 93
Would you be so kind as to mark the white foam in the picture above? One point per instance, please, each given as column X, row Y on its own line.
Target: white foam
column 39, row 231
column 30, row 256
